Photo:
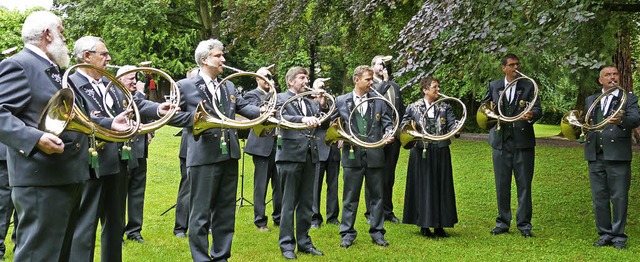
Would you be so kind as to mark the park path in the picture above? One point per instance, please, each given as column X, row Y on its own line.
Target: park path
column 547, row 141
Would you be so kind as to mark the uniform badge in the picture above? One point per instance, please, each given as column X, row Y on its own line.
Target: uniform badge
column 522, row 103
column 443, row 120
column 95, row 113
column 124, row 103
column 378, row 117
column 233, row 98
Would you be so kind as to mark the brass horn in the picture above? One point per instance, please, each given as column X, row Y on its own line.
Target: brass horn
column 273, row 122
column 337, row 130
column 62, row 113
column 573, row 124
column 203, row 120
column 174, row 98
column 486, row 115
column 409, row 131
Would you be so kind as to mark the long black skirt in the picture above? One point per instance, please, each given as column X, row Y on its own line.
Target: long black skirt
column 429, row 199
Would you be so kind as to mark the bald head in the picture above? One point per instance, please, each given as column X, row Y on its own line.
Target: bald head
column 267, row 74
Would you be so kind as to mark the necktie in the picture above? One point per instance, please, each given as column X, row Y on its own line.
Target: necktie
column 103, row 92
column 302, row 106
column 363, row 106
column 605, row 106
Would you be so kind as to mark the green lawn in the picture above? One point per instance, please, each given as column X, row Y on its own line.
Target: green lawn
column 544, row 130
column 563, row 219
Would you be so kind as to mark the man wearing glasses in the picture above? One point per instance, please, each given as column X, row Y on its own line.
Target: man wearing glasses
column 263, row 151
column 513, row 146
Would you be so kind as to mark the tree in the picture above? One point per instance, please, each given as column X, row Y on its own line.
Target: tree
column 11, row 28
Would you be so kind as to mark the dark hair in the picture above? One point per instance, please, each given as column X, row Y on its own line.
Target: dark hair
column 508, row 56
column 294, row 71
column 425, row 83
column 603, row 67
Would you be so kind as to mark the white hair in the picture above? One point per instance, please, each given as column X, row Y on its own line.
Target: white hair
column 125, row 68
column 35, row 24
column 204, row 49
column 85, row 43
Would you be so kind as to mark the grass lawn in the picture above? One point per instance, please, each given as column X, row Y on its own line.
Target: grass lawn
column 544, row 130
column 563, row 221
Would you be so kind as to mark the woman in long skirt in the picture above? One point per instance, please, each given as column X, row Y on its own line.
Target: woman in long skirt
column 430, row 198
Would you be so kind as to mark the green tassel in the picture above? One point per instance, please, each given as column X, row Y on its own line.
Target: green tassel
column 279, row 141
column 351, row 154
column 223, row 148
column 93, row 158
column 581, row 139
column 126, row 153
column 223, row 144
column 424, row 153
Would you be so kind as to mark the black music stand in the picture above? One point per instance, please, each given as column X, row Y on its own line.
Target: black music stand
column 241, row 199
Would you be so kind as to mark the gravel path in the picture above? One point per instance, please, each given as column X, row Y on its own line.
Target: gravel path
column 547, row 141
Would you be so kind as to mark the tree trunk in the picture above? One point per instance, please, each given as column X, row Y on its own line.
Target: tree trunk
column 625, row 67
column 312, row 65
column 209, row 13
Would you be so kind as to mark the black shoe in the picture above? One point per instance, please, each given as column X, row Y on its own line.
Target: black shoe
column 392, row 218
column 499, row 230
column 439, row 232
column 425, row 231
column 381, row 242
column 181, row 235
column 314, row 225
column 137, row 238
column 289, row 255
column 277, row 224
column 313, row 251
column 346, row 243
column 620, row 245
column 602, row 243
column 526, row 233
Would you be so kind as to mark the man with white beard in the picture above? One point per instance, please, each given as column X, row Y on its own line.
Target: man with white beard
column 45, row 171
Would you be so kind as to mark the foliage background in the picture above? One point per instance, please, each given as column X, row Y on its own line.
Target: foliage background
column 561, row 43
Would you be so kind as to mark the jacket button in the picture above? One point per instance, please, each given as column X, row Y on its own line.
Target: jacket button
column 22, row 151
column 215, row 135
column 523, row 129
column 612, row 141
column 77, row 145
column 611, row 129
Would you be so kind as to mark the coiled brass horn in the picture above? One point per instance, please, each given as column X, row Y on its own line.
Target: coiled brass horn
column 173, row 98
column 62, row 113
column 203, row 120
column 281, row 122
column 409, row 131
column 337, row 131
column 486, row 115
column 573, row 125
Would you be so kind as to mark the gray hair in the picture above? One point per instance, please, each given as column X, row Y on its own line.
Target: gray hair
column 85, row 43
column 294, row 71
column 204, row 49
column 35, row 24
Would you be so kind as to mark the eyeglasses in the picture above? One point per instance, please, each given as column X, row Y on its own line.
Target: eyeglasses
column 106, row 53
column 512, row 65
